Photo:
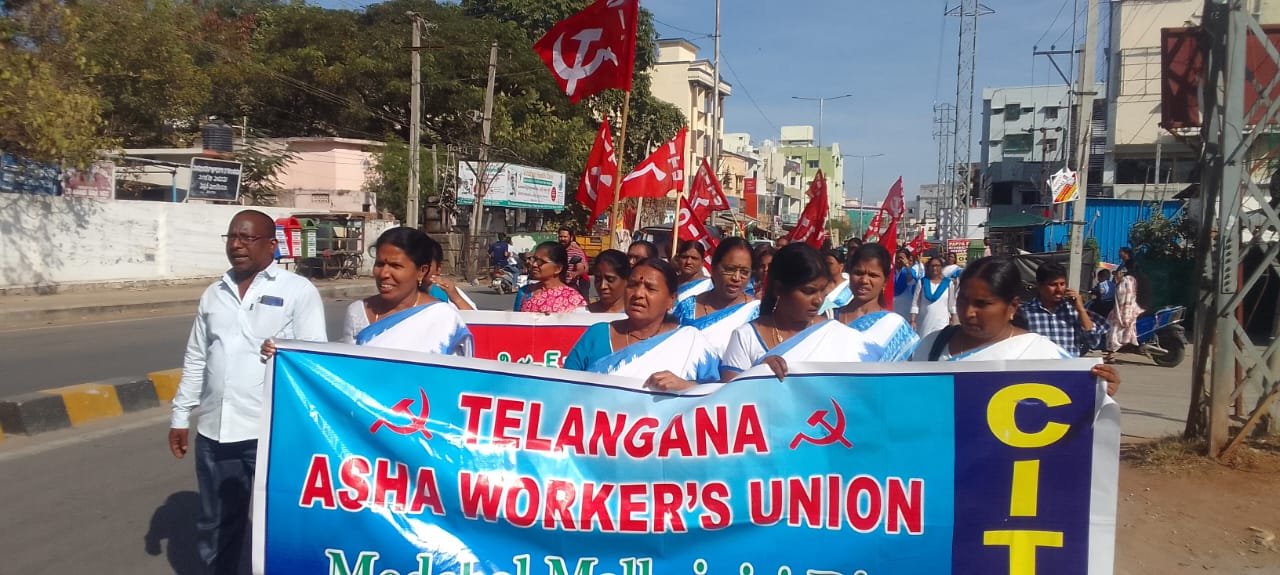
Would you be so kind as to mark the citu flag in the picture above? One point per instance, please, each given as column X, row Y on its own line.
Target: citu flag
column 811, row 228
column 593, row 50
column 659, row 174
column 692, row 227
column 707, row 196
column 595, row 190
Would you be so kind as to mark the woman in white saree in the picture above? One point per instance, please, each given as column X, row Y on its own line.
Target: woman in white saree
column 991, row 328
column 790, row 327
column 717, row 313
column 648, row 344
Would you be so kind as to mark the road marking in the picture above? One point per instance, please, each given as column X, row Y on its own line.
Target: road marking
column 78, row 436
column 74, row 322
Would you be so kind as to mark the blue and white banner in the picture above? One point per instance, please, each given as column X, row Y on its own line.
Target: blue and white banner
column 376, row 462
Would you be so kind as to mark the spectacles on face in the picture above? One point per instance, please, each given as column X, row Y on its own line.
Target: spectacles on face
column 736, row 272
column 242, row 238
column 538, row 262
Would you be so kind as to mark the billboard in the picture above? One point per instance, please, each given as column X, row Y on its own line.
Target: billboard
column 512, row 186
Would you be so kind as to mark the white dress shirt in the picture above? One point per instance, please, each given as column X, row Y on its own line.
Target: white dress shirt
column 223, row 371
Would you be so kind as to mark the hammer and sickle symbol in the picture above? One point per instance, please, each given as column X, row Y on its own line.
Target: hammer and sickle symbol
column 580, row 69
column 417, row 423
column 835, row 432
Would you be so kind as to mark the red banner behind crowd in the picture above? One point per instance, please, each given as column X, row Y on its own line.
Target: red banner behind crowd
column 532, row 338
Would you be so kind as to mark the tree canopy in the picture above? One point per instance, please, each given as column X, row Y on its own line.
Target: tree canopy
column 78, row 77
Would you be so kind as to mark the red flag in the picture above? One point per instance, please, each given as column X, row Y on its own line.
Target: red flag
column 707, row 196
column 811, row 228
column 692, row 227
column 917, row 244
column 595, row 190
column 890, row 213
column 659, row 174
column 592, row 50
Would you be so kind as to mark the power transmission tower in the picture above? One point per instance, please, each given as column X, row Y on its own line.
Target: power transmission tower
column 944, row 132
column 1227, row 360
column 953, row 218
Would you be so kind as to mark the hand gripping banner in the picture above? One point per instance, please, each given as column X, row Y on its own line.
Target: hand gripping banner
column 376, row 462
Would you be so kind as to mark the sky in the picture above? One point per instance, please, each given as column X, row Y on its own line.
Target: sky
column 897, row 58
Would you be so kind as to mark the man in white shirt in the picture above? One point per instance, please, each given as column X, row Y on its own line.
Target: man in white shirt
column 222, row 378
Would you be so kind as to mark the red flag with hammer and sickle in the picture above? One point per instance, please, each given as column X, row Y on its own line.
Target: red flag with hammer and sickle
column 660, row 173
column 811, row 229
column 692, row 227
column 706, row 196
column 595, row 190
column 593, row 50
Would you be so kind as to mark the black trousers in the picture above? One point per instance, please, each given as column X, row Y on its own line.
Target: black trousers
column 224, row 476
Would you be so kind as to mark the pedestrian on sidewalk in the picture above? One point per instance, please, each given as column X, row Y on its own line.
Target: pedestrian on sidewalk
column 222, row 378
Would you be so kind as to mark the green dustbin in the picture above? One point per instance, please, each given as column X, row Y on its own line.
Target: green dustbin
column 308, row 237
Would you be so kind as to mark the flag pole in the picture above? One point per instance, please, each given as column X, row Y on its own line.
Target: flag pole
column 614, row 222
column 675, row 226
column 639, row 213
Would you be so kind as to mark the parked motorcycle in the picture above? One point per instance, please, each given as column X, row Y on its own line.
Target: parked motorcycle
column 1161, row 336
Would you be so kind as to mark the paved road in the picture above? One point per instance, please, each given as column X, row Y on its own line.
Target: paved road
column 46, row 357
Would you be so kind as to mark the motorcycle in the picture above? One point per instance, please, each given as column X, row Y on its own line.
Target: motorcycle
column 505, row 280
column 1161, row 336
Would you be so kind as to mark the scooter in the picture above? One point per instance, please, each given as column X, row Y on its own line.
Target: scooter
column 1161, row 336
column 504, row 280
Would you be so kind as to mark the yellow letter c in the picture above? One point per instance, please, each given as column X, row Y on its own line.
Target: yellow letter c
column 1000, row 415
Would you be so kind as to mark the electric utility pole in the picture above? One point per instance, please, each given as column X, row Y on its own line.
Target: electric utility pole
column 1084, row 132
column 482, row 181
column 411, row 209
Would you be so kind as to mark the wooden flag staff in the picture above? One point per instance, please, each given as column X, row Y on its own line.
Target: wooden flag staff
column 614, row 222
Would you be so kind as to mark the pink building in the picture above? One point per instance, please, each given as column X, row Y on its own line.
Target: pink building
column 328, row 174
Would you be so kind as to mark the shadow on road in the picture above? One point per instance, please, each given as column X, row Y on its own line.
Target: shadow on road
column 175, row 521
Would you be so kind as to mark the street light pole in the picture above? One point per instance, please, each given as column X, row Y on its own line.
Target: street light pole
column 862, row 181
column 822, row 101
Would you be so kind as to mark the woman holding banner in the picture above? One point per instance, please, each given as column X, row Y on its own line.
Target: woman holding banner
column 991, row 327
column 717, row 313
column 610, row 272
column 689, row 257
column 790, row 328
column 548, row 267
column 868, row 271
column 648, row 344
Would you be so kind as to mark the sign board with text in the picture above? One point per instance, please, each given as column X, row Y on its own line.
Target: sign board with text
column 215, row 180
column 512, row 186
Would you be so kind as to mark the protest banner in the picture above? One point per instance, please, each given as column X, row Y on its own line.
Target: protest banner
column 378, row 462
column 532, row 338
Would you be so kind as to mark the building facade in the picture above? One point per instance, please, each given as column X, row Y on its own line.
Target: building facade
column 798, row 145
column 683, row 80
column 1026, row 135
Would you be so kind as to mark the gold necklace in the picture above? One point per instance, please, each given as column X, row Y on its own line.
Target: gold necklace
column 416, row 300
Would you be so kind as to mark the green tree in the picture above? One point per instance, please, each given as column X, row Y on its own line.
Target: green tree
column 48, row 111
column 389, row 178
column 144, row 71
column 261, row 163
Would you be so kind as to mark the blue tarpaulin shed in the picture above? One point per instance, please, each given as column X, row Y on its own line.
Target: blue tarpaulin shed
column 1109, row 221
